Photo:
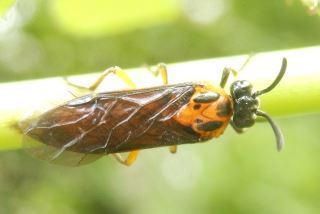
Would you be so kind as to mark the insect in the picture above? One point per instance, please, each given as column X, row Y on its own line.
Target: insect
column 91, row 126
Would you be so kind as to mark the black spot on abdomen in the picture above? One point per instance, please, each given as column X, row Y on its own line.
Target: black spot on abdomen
column 209, row 126
column 196, row 106
column 224, row 109
column 198, row 120
column 207, row 97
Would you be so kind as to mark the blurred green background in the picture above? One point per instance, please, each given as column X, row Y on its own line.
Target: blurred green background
column 233, row 174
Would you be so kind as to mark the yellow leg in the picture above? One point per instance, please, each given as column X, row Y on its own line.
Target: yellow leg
column 129, row 160
column 162, row 70
column 245, row 63
column 113, row 70
column 225, row 76
column 226, row 71
column 125, row 78
column 173, row 149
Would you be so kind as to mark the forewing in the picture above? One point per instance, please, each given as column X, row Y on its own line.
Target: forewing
column 39, row 142
column 84, row 129
column 56, row 155
column 151, row 108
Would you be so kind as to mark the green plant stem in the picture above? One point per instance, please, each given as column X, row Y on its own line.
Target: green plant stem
column 297, row 93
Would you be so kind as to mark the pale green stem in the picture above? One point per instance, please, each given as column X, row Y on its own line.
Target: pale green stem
column 297, row 93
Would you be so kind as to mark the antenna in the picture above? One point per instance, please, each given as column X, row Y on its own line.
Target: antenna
column 276, row 129
column 275, row 82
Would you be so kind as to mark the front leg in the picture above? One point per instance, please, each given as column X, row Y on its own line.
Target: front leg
column 226, row 72
column 225, row 76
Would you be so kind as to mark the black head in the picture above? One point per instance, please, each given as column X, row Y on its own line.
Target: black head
column 246, row 104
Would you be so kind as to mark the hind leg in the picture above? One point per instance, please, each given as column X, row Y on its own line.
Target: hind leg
column 125, row 78
column 131, row 158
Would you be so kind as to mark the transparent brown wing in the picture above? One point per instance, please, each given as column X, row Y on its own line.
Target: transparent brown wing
column 53, row 154
column 88, row 127
column 56, row 155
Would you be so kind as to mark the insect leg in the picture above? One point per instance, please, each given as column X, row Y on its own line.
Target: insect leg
column 173, row 149
column 130, row 158
column 113, row 70
column 226, row 71
column 160, row 69
column 225, row 76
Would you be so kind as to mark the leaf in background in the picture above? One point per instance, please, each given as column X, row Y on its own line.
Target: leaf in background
column 98, row 17
column 5, row 5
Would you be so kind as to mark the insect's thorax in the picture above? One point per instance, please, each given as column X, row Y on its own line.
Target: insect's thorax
column 208, row 112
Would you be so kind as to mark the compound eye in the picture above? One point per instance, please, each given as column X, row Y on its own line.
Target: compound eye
column 241, row 88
